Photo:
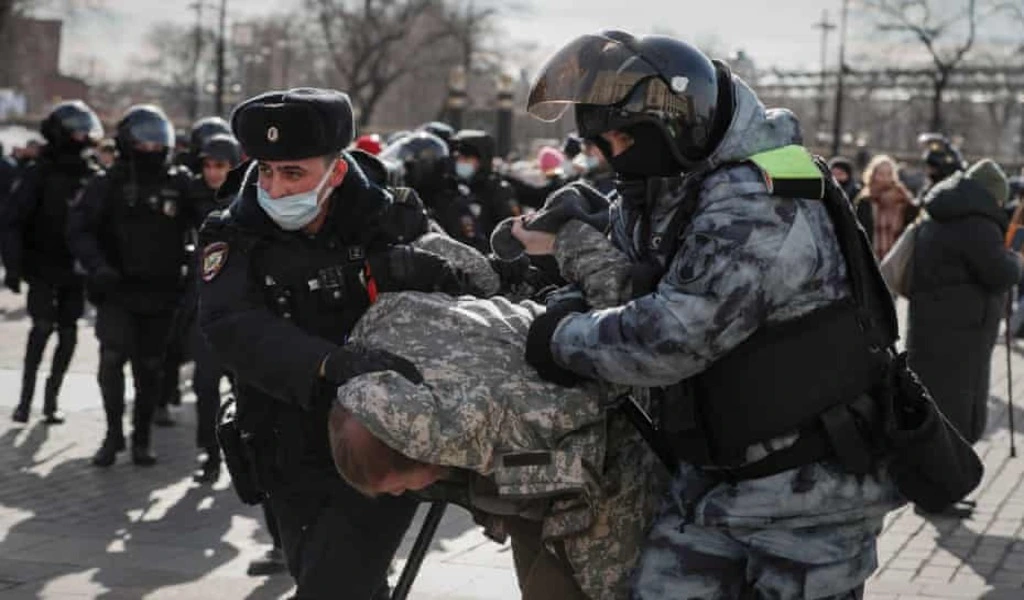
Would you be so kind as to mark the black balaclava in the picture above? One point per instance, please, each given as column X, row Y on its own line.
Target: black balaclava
column 649, row 156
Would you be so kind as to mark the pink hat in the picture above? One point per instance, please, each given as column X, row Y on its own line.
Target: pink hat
column 550, row 159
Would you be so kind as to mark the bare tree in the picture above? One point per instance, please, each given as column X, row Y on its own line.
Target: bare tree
column 917, row 18
column 375, row 43
column 173, row 63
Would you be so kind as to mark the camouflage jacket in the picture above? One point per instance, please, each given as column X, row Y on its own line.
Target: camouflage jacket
column 482, row 408
column 745, row 259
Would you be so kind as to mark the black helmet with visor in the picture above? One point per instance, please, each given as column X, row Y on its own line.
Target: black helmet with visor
column 616, row 81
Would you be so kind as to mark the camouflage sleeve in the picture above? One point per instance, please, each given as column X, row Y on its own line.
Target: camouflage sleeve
column 587, row 258
column 717, row 291
column 466, row 259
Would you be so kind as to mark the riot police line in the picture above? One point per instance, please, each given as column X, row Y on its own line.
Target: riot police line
column 396, row 331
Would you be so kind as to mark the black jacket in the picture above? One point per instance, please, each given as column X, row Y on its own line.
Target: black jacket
column 137, row 228
column 34, row 219
column 961, row 273
column 274, row 304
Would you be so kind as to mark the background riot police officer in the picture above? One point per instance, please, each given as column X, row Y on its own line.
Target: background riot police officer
column 202, row 130
column 35, row 248
column 493, row 196
column 287, row 270
column 426, row 166
column 218, row 156
column 128, row 229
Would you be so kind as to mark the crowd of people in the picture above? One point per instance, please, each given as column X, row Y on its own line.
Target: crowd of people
column 380, row 351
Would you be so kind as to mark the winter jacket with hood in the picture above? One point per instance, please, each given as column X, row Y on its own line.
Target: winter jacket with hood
column 960, row 276
column 747, row 259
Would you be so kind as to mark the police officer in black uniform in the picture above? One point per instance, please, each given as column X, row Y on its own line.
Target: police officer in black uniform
column 425, row 162
column 218, row 156
column 287, row 270
column 493, row 197
column 127, row 229
column 35, row 246
column 202, row 130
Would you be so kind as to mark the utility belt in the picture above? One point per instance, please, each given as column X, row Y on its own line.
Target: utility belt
column 265, row 450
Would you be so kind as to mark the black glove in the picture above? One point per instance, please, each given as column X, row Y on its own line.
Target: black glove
column 352, row 360
column 538, row 343
column 105, row 278
column 404, row 267
column 574, row 201
column 12, row 282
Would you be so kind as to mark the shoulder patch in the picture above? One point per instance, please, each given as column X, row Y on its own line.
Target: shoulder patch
column 215, row 256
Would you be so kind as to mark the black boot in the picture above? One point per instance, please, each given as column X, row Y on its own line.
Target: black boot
column 20, row 414
column 52, row 415
column 143, row 456
column 34, row 347
column 67, row 338
column 107, row 454
column 209, row 472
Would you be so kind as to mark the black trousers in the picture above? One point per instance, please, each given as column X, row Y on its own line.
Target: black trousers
column 52, row 307
column 337, row 542
column 206, row 385
column 139, row 339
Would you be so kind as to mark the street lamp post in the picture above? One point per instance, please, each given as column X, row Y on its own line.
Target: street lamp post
column 218, row 106
column 504, row 117
column 456, row 96
column 825, row 26
column 837, row 125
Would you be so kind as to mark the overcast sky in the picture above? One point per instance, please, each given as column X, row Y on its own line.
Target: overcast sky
column 779, row 33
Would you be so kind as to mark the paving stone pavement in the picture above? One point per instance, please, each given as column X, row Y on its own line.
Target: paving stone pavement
column 70, row 531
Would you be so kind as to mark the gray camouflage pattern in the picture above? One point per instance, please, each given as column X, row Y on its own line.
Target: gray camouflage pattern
column 482, row 404
column 587, row 257
column 467, row 259
column 745, row 260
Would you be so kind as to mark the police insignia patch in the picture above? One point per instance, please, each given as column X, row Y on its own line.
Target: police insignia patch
column 215, row 256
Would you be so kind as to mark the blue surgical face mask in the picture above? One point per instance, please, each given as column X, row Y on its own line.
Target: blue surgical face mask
column 293, row 212
column 465, row 170
column 592, row 162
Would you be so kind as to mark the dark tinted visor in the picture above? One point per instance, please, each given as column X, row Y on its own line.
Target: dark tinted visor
column 591, row 69
column 154, row 131
column 83, row 126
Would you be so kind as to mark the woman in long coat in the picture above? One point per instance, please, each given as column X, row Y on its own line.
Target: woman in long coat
column 961, row 273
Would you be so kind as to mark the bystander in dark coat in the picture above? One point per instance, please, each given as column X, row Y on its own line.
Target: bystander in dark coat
column 961, row 273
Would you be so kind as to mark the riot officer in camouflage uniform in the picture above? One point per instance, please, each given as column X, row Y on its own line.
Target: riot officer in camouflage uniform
column 304, row 248
column 744, row 330
column 128, row 230
column 35, row 247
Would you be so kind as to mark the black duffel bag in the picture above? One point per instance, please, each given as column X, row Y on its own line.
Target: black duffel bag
column 931, row 464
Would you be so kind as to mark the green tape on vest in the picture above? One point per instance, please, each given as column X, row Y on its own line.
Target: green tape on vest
column 790, row 172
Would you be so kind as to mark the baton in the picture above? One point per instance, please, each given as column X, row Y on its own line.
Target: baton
column 419, row 550
column 1009, row 373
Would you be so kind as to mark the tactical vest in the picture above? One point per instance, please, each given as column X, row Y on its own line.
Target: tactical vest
column 146, row 229
column 812, row 375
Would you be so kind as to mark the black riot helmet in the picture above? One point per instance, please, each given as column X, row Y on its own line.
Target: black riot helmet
column 473, row 142
column 204, row 129
column 441, row 129
column 424, row 159
column 616, row 81
column 222, row 146
column 72, row 125
column 147, row 125
column 941, row 158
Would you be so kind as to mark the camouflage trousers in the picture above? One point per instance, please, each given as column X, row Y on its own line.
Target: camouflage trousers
column 683, row 560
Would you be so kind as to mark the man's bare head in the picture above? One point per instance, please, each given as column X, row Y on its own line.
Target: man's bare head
column 371, row 466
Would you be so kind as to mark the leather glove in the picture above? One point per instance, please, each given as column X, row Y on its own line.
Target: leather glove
column 12, row 282
column 538, row 342
column 353, row 359
column 404, row 267
column 574, row 201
